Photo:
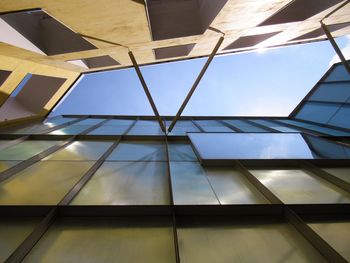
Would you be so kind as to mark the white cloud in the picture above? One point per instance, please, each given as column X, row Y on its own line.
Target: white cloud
column 345, row 51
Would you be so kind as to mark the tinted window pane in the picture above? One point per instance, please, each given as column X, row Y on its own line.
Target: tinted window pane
column 120, row 122
column 146, row 130
column 336, row 233
column 109, row 130
column 181, row 151
column 181, row 123
column 251, row 146
column 328, row 149
column 341, row 118
column 58, row 120
column 298, row 187
column 139, row 151
column 245, row 126
column 71, row 130
column 342, row 173
column 333, row 92
column 217, row 129
column 339, row 73
column 81, row 150
column 127, row 183
column 89, row 121
column 12, row 232
column 44, row 183
column 222, row 241
column 276, row 126
column 180, row 130
column 25, row 150
column 190, row 185
column 4, row 165
column 204, row 123
column 121, row 240
column 317, row 112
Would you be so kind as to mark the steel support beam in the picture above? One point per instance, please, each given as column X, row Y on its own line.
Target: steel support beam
column 195, row 84
column 335, row 47
column 148, row 94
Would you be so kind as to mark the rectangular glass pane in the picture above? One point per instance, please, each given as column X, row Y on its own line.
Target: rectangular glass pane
column 332, row 92
column 204, row 123
column 336, row 233
column 276, row 126
column 339, row 73
column 43, row 183
column 342, row 117
column 127, row 183
column 4, row 165
column 327, row 149
column 121, row 122
column 25, row 150
column 181, row 151
column 109, row 130
column 342, row 173
column 217, row 129
column 146, row 130
column 317, row 112
column 90, row 121
column 139, row 151
column 81, row 150
column 294, row 186
column 71, row 130
column 181, row 130
column 245, row 126
column 181, row 123
column 190, row 185
column 222, row 241
column 58, row 120
column 12, row 233
column 227, row 146
column 122, row 240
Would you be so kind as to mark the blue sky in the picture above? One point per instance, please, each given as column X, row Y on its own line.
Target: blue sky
column 269, row 83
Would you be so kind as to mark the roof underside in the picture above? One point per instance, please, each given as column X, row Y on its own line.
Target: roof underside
column 165, row 30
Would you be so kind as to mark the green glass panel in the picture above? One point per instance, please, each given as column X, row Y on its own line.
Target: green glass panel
column 294, row 186
column 181, row 151
column 127, row 183
column 122, row 240
column 71, row 130
column 25, row 150
column 340, row 172
column 336, row 233
column 139, row 151
column 81, row 150
column 44, row 183
column 12, row 233
column 223, row 242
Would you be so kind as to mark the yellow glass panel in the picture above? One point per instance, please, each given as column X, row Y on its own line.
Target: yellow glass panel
column 43, row 183
column 12, row 233
column 81, row 150
column 337, row 234
column 4, row 165
column 243, row 242
column 25, row 150
column 122, row 240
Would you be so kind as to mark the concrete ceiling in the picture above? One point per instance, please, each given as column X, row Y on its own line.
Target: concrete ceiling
column 126, row 22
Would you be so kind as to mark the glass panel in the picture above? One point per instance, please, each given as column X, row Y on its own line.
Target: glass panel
column 139, row 151
column 317, row 112
column 4, row 165
column 12, row 232
column 28, row 129
column 332, row 92
column 217, row 129
column 294, row 186
column 109, row 130
column 339, row 73
column 179, row 130
column 328, row 149
column 342, row 173
column 121, row 240
column 71, row 130
column 58, row 120
column 316, row 128
column 245, row 126
column 147, row 123
column 341, row 118
column 336, row 233
column 81, row 150
column 231, row 187
column 221, row 241
column 276, row 126
column 146, row 130
column 181, row 123
column 25, row 150
column 90, row 121
column 190, row 184
column 227, row 146
column 181, row 151
column 120, row 122
column 127, row 183
column 204, row 123
column 43, row 183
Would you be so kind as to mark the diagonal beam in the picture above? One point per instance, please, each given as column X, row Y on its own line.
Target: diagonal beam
column 148, row 94
column 195, row 84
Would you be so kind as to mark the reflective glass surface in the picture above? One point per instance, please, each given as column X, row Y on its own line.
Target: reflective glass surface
column 43, row 183
column 12, row 232
column 342, row 117
column 89, row 121
column 276, row 126
column 58, row 120
column 127, row 183
column 294, row 186
column 336, row 233
column 221, row 241
column 333, row 92
column 139, row 151
column 339, row 73
column 4, row 165
column 81, row 150
column 71, row 130
column 328, row 149
column 181, row 151
column 146, row 130
column 250, row 146
column 340, row 172
column 121, row 122
column 245, row 126
column 317, row 112
column 121, row 240
column 181, row 130
column 109, row 130
column 25, row 150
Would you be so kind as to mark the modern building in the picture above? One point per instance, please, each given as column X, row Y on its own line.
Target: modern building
column 94, row 188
